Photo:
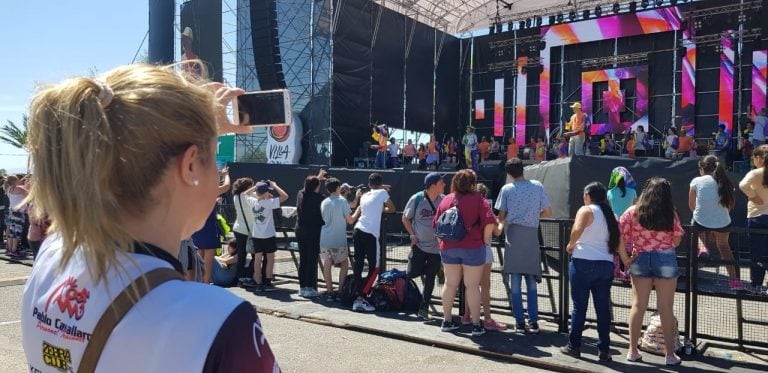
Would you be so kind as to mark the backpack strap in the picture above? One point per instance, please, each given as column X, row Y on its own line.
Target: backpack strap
column 119, row 307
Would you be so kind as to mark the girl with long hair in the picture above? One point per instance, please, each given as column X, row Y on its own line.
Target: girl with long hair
column 125, row 168
column 595, row 240
column 654, row 228
column 242, row 228
column 755, row 187
column 309, row 223
column 711, row 198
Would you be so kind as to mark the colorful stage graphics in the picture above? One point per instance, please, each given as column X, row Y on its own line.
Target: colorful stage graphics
column 498, row 108
column 725, row 112
column 759, row 77
column 614, row 100
column 480, row 109
column 618, row 26
column 688, row 96
column 520, row 100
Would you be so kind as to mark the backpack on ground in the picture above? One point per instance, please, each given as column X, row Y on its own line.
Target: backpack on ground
column 450, row 224
column 653, row 338
column 394, row 291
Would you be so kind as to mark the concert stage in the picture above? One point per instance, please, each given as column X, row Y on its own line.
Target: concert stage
column 563, row 179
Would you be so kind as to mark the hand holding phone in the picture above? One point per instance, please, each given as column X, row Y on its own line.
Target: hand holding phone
column 223, row 95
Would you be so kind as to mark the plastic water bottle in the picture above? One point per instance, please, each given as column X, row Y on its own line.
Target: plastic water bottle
column 688, row 347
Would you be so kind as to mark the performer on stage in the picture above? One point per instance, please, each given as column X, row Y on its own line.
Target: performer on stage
column 432, row 155
column 576, row 127
column 380, row 135
column 470, row 148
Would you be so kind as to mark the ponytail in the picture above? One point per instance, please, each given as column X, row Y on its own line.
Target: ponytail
column 712, row 166
column 599, row 196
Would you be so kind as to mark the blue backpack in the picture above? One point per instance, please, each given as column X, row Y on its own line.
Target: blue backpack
column 450, row 225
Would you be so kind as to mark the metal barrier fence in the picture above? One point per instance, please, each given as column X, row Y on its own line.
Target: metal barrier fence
column 705, row 305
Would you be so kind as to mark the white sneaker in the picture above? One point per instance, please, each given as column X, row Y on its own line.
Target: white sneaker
column 303, row 292
column 311, row 293
column 361, row 305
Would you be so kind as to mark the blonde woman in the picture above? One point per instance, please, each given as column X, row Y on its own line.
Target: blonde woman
column 125, row 168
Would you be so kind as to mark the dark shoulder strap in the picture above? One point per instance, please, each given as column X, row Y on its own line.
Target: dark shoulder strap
column 118, row 309
column 432, row 205
column 245, row 218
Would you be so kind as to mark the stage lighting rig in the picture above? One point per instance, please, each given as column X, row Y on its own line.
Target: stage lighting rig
column 616, row 8
column 644, row 4
column 598, row 11
column 632, row 7
column 659, row 2
column 539, row 21
column 585, row 14
column 559, row 17
column 572, row 16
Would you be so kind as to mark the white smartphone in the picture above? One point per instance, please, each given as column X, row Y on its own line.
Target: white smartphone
column 263, row 108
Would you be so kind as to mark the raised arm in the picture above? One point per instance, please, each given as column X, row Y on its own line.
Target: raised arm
column 280, row 191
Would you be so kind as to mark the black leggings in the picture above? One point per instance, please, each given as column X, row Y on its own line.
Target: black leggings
column 309, row 253
column 365, row 249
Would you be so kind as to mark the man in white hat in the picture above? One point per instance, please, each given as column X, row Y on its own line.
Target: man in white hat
column 576, row 130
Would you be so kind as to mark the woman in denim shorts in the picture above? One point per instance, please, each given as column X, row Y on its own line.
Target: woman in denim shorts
column 465, row 259
column 654, row 228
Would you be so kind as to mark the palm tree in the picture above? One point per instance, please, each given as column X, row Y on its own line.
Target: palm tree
column 15, row 135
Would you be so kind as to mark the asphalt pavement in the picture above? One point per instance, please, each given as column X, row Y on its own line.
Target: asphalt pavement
column 300, row 346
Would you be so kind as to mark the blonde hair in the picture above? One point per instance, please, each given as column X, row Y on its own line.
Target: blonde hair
column 98, row 160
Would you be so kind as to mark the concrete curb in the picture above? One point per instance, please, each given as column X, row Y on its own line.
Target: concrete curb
column 523, row 360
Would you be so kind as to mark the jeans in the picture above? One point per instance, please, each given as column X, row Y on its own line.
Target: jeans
column 596, row 277
column 381, row 160
column 576, row 146
column 515, row 281
column 223, row 276
column 759, row 253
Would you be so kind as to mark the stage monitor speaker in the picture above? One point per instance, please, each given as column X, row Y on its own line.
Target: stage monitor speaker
column 266, row 44
column 450, row 167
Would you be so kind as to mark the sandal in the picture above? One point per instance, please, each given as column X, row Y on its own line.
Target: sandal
column 635, row 357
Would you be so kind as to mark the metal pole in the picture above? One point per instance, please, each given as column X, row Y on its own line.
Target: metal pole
column 564, row 297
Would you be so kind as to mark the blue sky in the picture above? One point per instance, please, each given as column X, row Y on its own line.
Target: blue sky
column 45, row 41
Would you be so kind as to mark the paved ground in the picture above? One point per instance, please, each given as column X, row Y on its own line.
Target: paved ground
column 299, row 345
column 307, row 333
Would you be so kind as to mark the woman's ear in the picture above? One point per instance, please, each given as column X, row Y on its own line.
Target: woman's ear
column 189, row 167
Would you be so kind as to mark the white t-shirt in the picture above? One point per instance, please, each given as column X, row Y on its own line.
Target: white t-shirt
column 243, row 215
column 372, row 206
column 263, row 222
column 709, row 212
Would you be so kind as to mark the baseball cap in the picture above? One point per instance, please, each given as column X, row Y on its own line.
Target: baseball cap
column 431, row 179
column 576, row 105
column 262, row 187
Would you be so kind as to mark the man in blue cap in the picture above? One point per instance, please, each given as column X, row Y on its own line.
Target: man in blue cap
column 424, row 259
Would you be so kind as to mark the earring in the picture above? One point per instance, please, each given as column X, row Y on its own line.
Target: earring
column 195, row 182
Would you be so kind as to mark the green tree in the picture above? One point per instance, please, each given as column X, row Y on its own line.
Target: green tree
column 15, row 135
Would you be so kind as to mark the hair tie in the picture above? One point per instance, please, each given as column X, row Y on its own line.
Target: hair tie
column 106, row 94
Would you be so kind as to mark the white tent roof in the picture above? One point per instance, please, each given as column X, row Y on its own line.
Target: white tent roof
column 458, row 16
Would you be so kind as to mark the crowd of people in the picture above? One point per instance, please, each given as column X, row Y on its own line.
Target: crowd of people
column 119, row 215
column 575, row 139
